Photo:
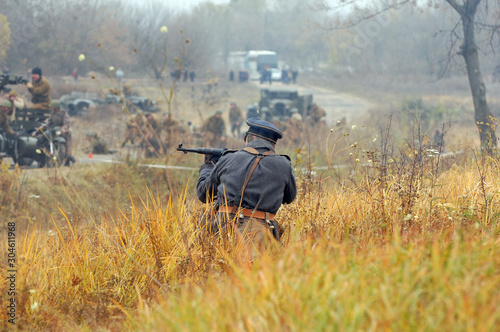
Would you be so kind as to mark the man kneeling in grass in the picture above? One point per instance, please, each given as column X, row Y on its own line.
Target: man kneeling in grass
column 249, row 185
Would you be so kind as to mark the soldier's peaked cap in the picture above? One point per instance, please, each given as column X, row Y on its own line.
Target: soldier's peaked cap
column 264, row 129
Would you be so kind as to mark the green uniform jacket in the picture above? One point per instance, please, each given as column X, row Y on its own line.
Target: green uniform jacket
column 4, row 123
column 235, row 114
column 215, row 126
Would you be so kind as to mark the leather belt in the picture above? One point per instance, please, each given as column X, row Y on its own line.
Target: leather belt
column 247, row 213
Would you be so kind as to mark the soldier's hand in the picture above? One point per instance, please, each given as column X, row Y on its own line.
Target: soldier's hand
column 29, row 85
column 211, row 159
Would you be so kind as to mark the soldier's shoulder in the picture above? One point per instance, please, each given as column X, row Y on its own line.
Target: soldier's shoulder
column 228, row 151
column 286, row 157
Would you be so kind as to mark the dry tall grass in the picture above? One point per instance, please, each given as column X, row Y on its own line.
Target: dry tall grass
column 384, row 239
column 366, row 252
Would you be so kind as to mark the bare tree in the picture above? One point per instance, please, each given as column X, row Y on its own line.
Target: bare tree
column 469, row 51
column 464, row 43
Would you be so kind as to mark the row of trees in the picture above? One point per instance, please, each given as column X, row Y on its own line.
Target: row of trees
column 391, row 37
column 53, row 33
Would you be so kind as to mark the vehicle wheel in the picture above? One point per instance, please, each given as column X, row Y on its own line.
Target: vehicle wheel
column 24, row 161
column 60, row 154
column 82, row 108
column 43, row 160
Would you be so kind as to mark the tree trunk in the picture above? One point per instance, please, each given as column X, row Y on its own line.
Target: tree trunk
column 484, row 119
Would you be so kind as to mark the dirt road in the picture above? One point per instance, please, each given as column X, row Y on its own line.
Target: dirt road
column 336, row 104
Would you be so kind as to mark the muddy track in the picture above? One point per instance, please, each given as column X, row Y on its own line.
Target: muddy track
column 336, row 104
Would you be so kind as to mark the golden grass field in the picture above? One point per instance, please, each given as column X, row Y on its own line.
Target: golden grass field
column 385, row 238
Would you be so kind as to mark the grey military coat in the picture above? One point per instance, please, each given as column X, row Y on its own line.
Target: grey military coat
column 271, row 184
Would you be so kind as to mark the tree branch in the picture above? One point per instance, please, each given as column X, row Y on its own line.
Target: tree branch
column 351, row 24
column 456, row 6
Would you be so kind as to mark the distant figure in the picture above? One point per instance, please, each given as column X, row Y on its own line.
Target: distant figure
column 58, row 118
column 316, row 113
column 176, row 75
column 158, row 74
column 265, row 75
column 235, row 119
column 39, row 87
column 16, row 103
column 119, row 75
column 214, row 130
column 97, row 145
column 231, row 76
column 438, row 140
column 133, row 124
column 152, row 136
column 295, row 73
column 5, row 112
column 192, row 75
column 243, row 76
column 5, row 70
column 284, row 76
column 185, row 76
column 75, row 75
column 496, row 74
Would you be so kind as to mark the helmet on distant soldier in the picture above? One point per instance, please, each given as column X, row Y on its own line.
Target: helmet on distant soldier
column 218, row 112
column 55, row 104
column 6, row 103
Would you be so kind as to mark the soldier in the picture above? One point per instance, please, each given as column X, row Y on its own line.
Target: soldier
column 119, row 75
column 4, row 117
column 294, row 128
column 59, row 118
column 168, row 123
column 39, row 88
column 235, row 119
column 438, row 140
column 181, row 131
column 97, row 144
column 152, row 132
column 133, row 124
column 249, row 185
column 16, row 103
column 214, row 130
column 5, row 128
column 316, row 114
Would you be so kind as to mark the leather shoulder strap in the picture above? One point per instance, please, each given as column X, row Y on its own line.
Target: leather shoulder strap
column 256, row 152
column 249, row 175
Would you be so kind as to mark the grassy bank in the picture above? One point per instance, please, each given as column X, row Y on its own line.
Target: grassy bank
column 389, row 235
column 359, row 253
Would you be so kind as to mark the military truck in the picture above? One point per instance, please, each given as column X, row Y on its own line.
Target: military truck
column 282, row 103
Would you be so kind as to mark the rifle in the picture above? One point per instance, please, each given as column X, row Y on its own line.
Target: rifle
column 211, row 154
column 10, row 79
